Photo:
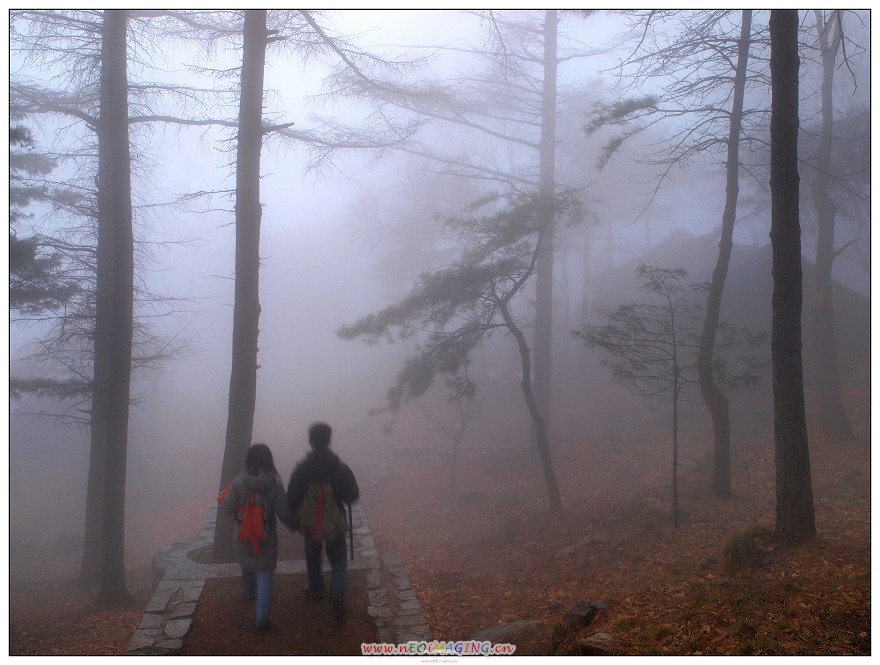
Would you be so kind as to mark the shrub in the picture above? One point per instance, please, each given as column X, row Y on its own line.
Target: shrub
column 743, row 548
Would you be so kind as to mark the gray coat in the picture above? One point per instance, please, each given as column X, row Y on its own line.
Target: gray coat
column 272, row 488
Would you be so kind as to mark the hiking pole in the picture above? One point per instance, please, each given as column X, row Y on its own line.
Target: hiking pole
column 350, row 533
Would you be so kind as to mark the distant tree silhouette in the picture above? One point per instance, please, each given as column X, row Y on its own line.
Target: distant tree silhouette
column 37, row 280
column 707, row 69
column 467, row 406
column 833, row 420
column 654, row 347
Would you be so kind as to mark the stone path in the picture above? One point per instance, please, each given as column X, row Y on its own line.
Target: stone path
column 392, row 603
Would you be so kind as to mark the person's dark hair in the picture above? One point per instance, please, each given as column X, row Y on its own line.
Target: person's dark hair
column 259, row 458
column 319, row 435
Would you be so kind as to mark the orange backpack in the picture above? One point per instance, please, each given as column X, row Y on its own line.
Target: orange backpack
column 254, row 517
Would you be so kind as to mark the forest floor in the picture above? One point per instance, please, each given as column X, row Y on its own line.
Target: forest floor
column 485, row 553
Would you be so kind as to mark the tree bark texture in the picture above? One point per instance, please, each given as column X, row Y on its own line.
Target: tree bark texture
column 546, row 186
column 716, row 401
column 90, row 570
column 834, row 424
column 795, row 519
column 246, row 307
column 676, row 392
column 675, row 510
column 120, row 261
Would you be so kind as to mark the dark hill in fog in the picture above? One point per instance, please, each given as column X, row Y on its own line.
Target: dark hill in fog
column 748, row 293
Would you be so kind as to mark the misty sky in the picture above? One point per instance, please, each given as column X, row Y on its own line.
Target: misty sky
column 320, row 262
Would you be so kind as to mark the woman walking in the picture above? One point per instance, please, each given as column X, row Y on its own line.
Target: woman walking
column 256, row 496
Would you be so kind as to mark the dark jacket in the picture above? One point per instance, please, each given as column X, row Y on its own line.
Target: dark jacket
column 269, row 486
column 320, row 465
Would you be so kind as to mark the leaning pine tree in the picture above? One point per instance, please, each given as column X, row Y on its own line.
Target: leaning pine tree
column 459, row 304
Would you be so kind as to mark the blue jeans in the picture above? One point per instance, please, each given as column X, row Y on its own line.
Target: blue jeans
column 337, row 556
column 259, row 586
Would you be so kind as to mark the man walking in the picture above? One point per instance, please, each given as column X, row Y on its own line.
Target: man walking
column 319, row 487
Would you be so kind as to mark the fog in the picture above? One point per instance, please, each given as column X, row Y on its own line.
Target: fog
column 345, row 241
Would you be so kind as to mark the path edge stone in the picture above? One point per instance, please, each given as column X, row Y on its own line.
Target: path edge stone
column 179, row 581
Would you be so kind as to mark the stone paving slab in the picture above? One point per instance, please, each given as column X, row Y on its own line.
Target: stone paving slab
column 393, row 606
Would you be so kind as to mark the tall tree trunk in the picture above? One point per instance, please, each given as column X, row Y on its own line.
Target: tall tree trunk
column 586, row 278
column 246, row 308
column 675, row 393
column 539, row 399
column 676, row 387
column 795, row 518
column 716, row 401
column 90, row 569
column 452, row 466
column 834, row 424
column 114, row 121
column 547, row 190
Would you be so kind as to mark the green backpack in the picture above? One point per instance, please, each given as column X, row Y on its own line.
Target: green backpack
column 320, row 517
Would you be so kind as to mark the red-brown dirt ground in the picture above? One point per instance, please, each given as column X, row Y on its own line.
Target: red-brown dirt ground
column 298, row 625
column 485, row 552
